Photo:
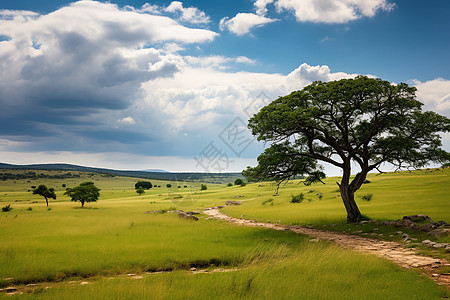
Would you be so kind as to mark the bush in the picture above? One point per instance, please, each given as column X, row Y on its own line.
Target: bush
column 367, row 197
column 168, row 185
column 63, row 185
column 230, row 184
column 203, row 187
column 298, row 198
column 239, row 181
column 7, row 208
column 29, row 208
column 268, row 201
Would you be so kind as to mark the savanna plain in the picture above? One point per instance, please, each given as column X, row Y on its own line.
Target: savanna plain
column 130, row 246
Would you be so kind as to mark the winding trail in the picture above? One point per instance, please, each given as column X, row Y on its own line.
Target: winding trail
column 396, row 252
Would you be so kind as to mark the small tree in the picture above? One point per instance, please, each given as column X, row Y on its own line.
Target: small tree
column 144, row 184
column 140, row 190
column 168, row 185
column 85, row 192
column 45, row 192
column 203, row 187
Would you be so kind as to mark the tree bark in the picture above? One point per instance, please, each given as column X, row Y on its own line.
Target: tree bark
column 348, row 193
column 348, row 197
column 46, row 200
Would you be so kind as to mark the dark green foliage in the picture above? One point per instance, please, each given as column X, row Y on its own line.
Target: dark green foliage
column 203, row 187
column 7, row 208
column 298, row 198
column 63, row 185
column 367, row 197
column 361, row 121
column 45, row 192
column 29, row 208
column 144, row 184
column 168, row 185
column 140, row 190
column 230, row 184
column 238, row 181
column 85, row 192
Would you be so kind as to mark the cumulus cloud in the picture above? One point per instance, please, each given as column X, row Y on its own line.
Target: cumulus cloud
column 81, row 64
column 435, row 94
column 333, row 11
column 188, row 14
column 242, row 23
column 261, row 6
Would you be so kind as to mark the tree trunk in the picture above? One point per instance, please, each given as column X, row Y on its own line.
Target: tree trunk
column 348, row 197
column 46, row 200
column 82, row 203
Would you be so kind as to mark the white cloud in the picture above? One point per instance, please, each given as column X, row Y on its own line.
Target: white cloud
column 127, row 121
column 261, row 6
column 188, row 14
column 242, row 23
column 333, row 11
column 435, row 94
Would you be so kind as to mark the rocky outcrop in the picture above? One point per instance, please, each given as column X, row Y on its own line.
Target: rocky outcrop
column 233, row 203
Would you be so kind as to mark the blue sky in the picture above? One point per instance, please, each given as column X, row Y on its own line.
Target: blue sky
column 139, row 85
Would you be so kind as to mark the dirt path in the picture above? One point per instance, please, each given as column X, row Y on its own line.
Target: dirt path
column 396, row 252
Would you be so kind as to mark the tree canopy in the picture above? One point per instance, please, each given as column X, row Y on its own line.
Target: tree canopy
column 144, row 184
column 85, row 192
column 362, row 121
column 45, row 192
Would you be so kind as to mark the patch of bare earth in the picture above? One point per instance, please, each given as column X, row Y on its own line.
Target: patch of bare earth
column 396, row 252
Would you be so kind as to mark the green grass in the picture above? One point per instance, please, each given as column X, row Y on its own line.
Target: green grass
column 394, row 196
column 115, row 236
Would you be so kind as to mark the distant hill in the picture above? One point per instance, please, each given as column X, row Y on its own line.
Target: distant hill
column 156, row 171
column 150, row 174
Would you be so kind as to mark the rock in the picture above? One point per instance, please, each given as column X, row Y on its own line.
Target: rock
column 187, row 216
column 233, row 202
column 363, row 222
column 426, row 227
column 358, row 231
column 193, row 269
column 435, row 275
column 84, row 283
column 426, row 242
column 10, row 289
column 418, row 218
column 193, row 212
column 439, row 233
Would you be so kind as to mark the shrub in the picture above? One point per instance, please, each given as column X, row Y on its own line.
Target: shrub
column 168, row 185
column 29, row 208
column 63, row 185
column 238, row 181
column 7, row 208
column 268, row 201
column 203, row 187
column 298, row 198
column 367, row 197
column 230, row 184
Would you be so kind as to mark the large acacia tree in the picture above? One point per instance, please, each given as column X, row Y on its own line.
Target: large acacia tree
column 85, row 192
column 45, row 192
column 363, row 121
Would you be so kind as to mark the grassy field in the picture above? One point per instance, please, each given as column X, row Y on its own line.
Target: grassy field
column 66, row 245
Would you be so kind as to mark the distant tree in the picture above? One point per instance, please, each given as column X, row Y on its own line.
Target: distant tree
column 144, row 184
column 363, row 121
column 43, row 191
column 238, row 181
column 85, row 192
column 230, row 184
column 140, row 190
column 168, row 185
column 203, row 187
